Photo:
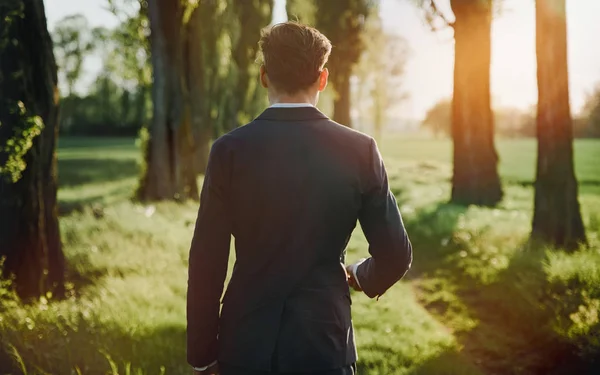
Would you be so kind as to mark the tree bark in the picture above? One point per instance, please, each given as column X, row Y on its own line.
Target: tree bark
column 252, row 16
column 475, row 179
column 557, row 217
column 196, row 78
column 341, row 101
column 169, row 170
column 29, row 229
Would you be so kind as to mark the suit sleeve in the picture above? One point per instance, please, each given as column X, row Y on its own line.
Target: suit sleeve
column 389, row 245
column 209, row 255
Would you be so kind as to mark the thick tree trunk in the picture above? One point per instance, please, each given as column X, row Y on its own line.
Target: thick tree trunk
column 29, row 231
column 252, row 16
column 341, row 101
column 198, row 100
column 169, row 170
column 475, row 179
column 557, row 218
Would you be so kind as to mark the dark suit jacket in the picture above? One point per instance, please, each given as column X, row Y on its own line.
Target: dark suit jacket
column 289, row 187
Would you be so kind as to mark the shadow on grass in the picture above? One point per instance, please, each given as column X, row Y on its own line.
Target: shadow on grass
column 76, row 172
column 102, row 143
column 81, row 273
column 448, row 362
column 94, row 349
column 581, row 182
column 516, row 331
column 431, row 231
column 67, row 207
column 506, row 324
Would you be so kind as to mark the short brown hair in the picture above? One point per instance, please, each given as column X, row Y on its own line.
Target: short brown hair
column 294, row 55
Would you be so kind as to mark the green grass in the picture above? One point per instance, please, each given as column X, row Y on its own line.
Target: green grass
column 479, row 299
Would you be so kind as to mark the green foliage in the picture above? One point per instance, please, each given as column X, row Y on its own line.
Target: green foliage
column 23, row 125
column 476, row 301
column 107, row 110
column 8, row 297
column 301, row 11
column 342, row 22
column 72, row 42
column 247, row 97
column 25, row 128
column 118, row 103
column 10, row 10
column 576, row 297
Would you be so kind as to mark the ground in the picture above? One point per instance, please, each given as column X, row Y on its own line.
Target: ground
column 479, row 299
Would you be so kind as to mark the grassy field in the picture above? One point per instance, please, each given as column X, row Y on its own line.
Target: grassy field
column 479, row 299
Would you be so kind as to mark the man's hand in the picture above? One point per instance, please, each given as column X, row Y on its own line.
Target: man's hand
column 212, row 370
column 351, row 280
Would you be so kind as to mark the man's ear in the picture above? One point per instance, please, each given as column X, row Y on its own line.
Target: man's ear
column 264, row 79
column 323, row 77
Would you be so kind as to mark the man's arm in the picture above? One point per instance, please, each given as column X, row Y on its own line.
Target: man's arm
column 389, row 246
column 209, row 255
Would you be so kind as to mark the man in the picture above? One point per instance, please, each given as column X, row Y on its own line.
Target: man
column 290, row 187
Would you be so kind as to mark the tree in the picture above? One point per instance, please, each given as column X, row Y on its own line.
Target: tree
column 301, row 11
column 170, row 172
column 204, row 53
column 342, row 21
column 590, row 115
column 29, row 231
column 72, row 41
column 438, row 118
column 475, row 178
column 379, row 73
column 128, row 60
column 556, row 217
column 128, row 53
column 252, row 17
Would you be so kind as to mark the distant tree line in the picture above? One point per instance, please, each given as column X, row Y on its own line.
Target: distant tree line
column 117, row 102
column 514, row 122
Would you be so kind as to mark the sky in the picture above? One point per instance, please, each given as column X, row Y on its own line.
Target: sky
column 429, row 69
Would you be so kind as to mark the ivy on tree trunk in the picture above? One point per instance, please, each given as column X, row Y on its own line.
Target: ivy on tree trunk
column 475, row 179
column 557, row 217
column 29, row 231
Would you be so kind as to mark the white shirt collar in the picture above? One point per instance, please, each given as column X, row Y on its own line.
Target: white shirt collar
column 290, row 105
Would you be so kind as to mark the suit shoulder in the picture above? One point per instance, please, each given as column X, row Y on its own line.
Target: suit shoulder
column 222, row 144
column 238, row 132
column 350, row 134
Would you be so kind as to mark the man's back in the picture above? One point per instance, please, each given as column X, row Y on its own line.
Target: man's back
column 292, row 185
column 289, row 187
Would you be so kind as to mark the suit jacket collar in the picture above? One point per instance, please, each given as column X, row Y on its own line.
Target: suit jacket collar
column 291, row 114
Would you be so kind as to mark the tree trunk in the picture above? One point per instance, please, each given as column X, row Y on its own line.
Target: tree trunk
column 475, row 179
column 252, row 16
column 196, row 78
column 557, row 217
column 169, row 170
column 29, row 231
column 341, row 101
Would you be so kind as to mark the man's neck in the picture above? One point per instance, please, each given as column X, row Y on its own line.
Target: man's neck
column 297, row 99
